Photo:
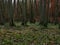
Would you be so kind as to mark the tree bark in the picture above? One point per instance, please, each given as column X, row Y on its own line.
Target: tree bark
column 11, row 12
column 43, row 17
column 2, row 12
column 24, row 12
column 56, row 12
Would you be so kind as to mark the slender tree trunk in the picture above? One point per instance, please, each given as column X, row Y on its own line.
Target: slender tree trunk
column 14, row 10
column 11, row 12
column 40, row 11
column 56, row 12
column 2, row 12
column 58, row 9
column 6, row 10
column 24, row 12
column 31, row 12
column 44, row 13
column 47, row 10
column 43, row 17
column 34, row 10
column 19, row 10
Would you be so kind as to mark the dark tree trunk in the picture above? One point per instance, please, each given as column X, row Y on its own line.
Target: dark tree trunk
column 44, row 13
column 11, row 12
column 31, row 12
column 43, row 17
column 40, row 11
column 56, row 12
column 47, row 11
column 34, row 10
column 24, row 12
column 2, row 12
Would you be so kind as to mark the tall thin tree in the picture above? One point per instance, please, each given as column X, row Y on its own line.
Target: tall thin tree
column 43, row 16
column 10, row 12
column 24, row 12
column 47, row 10
column 56, row 11
column 31, row 12
column 1, row 12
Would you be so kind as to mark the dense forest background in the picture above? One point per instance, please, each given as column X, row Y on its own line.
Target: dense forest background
column 42, row 11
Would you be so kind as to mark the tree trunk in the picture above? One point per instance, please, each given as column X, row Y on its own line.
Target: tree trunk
column 2, row 12
column 56, row 12
column 24, row 12
column 11, row 12
column 43, row 17
column 47, row 10
column 31, row 12
column 40, row 11
column 44, row 13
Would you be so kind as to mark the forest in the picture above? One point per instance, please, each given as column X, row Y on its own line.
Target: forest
column 30, row 22
column 31, row 11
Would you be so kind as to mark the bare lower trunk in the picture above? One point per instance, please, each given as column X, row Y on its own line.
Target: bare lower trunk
column 11, row 12
column 24, row 12
column 2, row 12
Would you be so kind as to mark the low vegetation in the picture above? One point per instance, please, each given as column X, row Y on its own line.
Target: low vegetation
column 33, row 34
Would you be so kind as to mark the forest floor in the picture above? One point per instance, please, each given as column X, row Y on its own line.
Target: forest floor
column 30, row 35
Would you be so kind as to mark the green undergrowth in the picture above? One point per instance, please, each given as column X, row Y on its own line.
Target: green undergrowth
column 33, row 34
